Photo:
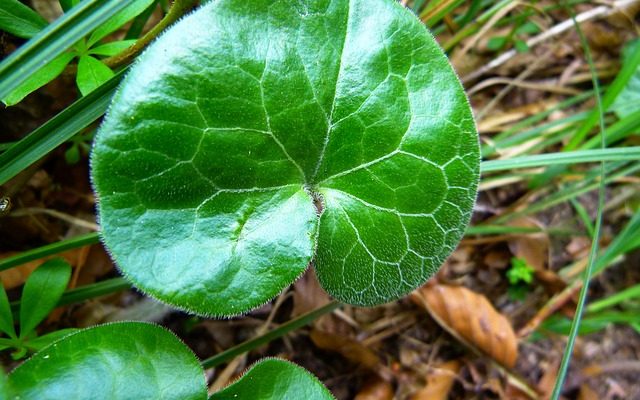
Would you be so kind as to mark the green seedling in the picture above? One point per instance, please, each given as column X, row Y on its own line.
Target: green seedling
column 20, row 20
column 40, row 294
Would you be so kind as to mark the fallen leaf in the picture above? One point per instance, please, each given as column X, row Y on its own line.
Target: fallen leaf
column 350, row 349
column 470, row 318
column 375, row 388
column 439, row 382
column 533, row 248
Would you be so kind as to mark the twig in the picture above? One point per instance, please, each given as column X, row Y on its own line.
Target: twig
column 598, row 12
column 177, row 10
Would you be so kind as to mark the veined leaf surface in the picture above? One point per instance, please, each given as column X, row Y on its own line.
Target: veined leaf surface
column 124, row 360
column 245, row 116
column 274, row 379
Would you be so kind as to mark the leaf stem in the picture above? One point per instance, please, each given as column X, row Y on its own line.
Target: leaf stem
column 177, row 10
column 269, row 336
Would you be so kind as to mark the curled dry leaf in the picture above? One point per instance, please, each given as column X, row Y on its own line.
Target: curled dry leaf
column 471, row 319
column 350, row 349
column 375, row 388
column 439, row 382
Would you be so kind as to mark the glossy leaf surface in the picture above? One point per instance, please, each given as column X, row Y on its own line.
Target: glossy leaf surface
column 273, row 379
column 128, row 360
column 244, row 114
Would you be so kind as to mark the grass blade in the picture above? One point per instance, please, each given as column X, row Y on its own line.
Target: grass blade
column 571, row 157
column 593, row 251
column 57, row 130
column 53, row 40
column 53, row 248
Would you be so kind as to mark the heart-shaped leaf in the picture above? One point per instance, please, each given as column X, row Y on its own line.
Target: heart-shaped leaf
column 246, row 116
column 124, row 360
column 274, row 379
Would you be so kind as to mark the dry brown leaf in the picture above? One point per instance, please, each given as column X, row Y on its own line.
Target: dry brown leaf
column 533, row 248
column 548, row 380
column 307, row 294
column 471, row 319
column 350, row 349
column 375, row 388
column 439, row 382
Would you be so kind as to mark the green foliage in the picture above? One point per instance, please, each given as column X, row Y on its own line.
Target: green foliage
column 91, row 74
column 272, row 379
column 19, row 20
column 211, row 158
column 54, row 40
column 128, row 360
column 133, row 360
column 627, row 101
column 520, row 272
column 91, row 71
column 40, row 295
column 117, row 21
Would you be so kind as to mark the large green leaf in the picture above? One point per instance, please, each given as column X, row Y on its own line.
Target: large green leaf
column 127, row 360
column 245, row 116
column 273, row 379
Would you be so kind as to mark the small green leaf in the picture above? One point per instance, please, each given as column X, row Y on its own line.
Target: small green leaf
column 41, row 293
column 627, row 101
column 129, row 360
column 496, row 43
column 112, row 48
column 213, row 159
column 114, row 23
column 521, row 46
column 20, row 20
column 273, row 379
column 48, row 73
column 528, row 28
column 91, row 74
column 40, row 342
column 68, row 4
column 6, row 317
column 72, row 155
column 520, row 271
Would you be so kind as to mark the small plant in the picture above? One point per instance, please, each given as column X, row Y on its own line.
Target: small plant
column 251, row 140
column 91, row 71
column 41, row 293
